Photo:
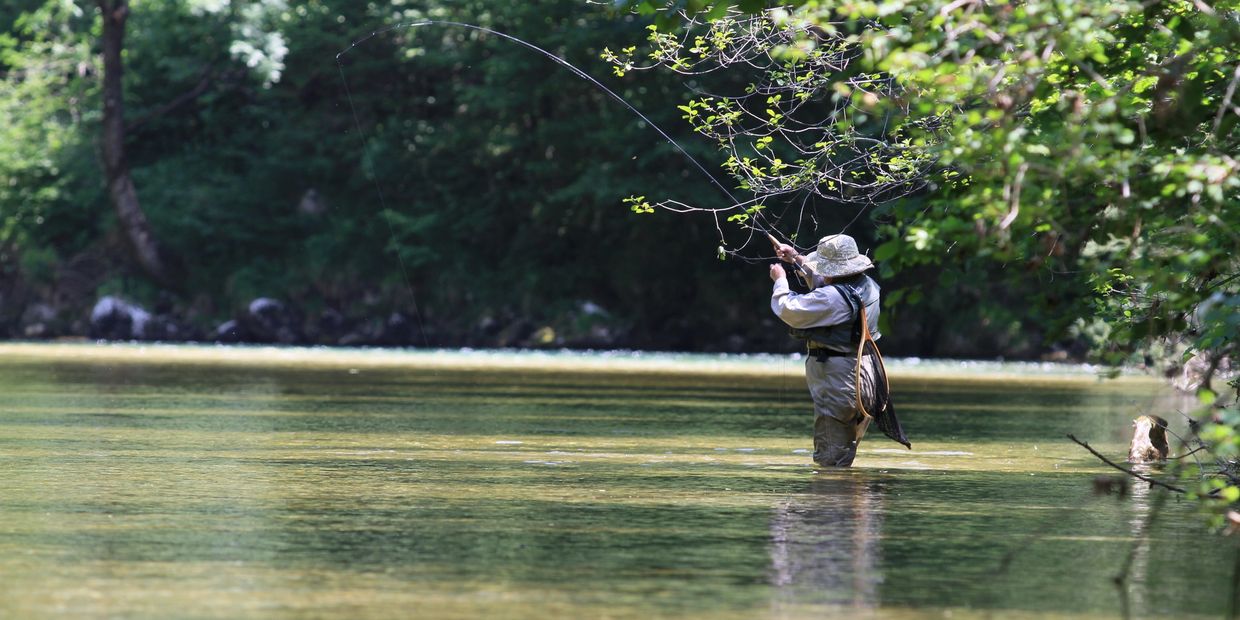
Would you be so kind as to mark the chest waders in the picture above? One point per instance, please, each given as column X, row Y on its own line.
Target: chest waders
column 861, row 335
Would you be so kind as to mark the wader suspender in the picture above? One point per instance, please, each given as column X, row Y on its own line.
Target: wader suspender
column 860, row 335
column 882, row 411
column 865, row 337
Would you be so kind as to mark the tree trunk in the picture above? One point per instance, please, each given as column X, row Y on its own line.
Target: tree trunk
column 134, row 225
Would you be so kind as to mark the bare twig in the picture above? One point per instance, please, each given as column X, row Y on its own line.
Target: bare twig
column 1014, row 197
column 204, row 84
column 1153, row 481
column 780, row 147
column 1222, row 108
column 1194, row 451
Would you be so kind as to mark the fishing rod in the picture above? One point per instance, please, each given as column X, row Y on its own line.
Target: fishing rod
column 560, row 61
column 805, row 274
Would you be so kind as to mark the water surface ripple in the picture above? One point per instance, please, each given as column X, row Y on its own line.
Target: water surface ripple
column 148, row 482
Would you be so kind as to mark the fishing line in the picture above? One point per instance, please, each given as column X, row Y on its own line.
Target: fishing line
column 560, row 61
column 387, row 216
column 759, row 215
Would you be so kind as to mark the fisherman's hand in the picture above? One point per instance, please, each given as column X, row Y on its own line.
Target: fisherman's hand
column 777, row 273
column 786, row 253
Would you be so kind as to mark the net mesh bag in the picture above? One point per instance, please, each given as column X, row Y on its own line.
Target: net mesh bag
column 873, row 389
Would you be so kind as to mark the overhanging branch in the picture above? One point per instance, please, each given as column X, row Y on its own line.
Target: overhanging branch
column 1153, row 481
column 204, row 84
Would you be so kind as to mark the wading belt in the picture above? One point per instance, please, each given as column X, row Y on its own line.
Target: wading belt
column 823, row 355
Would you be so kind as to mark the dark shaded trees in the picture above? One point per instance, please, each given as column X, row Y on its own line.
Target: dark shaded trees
column 136, row 229
column 243, row 152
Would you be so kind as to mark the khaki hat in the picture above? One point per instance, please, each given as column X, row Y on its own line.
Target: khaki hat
column 837, row 256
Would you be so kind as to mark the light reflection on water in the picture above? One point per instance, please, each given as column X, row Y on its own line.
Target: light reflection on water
column 268, row 483
column 825, row 543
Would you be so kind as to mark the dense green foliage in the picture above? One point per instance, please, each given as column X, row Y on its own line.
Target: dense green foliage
column 1080, row 155
column 503, row 176
column 501, row 172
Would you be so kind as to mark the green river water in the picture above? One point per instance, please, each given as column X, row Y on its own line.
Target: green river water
column 182, row 482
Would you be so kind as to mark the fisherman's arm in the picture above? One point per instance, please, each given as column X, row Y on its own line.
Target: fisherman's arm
column 820, row 307
column 788, row 254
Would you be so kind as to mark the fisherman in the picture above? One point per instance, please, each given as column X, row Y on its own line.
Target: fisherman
column 826, row 318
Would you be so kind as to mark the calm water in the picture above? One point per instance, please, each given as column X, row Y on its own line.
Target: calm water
column 251, row 483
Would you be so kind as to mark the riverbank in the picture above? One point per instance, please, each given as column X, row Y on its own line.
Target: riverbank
column 613, row 361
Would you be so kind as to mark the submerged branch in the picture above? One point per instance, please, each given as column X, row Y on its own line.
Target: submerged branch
column 1194, row 451
column 1152, row 481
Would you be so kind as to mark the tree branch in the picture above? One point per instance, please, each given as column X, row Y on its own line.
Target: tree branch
column 1222, row 108
column 203, row 85
column 1188, row 454
column 1134, row 474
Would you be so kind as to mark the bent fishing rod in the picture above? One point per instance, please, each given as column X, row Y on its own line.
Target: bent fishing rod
column 560, row 61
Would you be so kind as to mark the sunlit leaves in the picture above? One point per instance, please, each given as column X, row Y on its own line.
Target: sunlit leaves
column 639, row 204
column 773, row 135
column 745, row 215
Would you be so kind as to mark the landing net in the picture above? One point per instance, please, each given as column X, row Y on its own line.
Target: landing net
column 873, row 389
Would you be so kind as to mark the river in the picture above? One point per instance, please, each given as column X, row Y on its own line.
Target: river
column 211, row 482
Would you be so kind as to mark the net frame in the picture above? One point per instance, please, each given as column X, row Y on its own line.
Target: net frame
column 881, row 410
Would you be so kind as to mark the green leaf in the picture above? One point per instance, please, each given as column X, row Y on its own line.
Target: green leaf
column 886, row 250
column 1206, row 396
column 1230, row 494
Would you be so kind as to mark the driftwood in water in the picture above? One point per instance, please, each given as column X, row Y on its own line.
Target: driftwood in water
column 1149, row 440
column 1152, row 481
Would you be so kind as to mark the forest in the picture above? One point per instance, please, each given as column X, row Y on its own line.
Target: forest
column 481, row 205
column 1039, row 180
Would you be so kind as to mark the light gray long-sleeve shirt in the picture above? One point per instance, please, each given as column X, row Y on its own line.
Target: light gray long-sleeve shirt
column 820, row 307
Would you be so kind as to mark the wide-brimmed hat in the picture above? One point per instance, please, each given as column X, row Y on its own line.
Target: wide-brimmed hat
column 837, row 256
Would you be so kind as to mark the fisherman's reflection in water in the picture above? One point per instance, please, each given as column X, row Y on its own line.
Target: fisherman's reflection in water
column 825, row 543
